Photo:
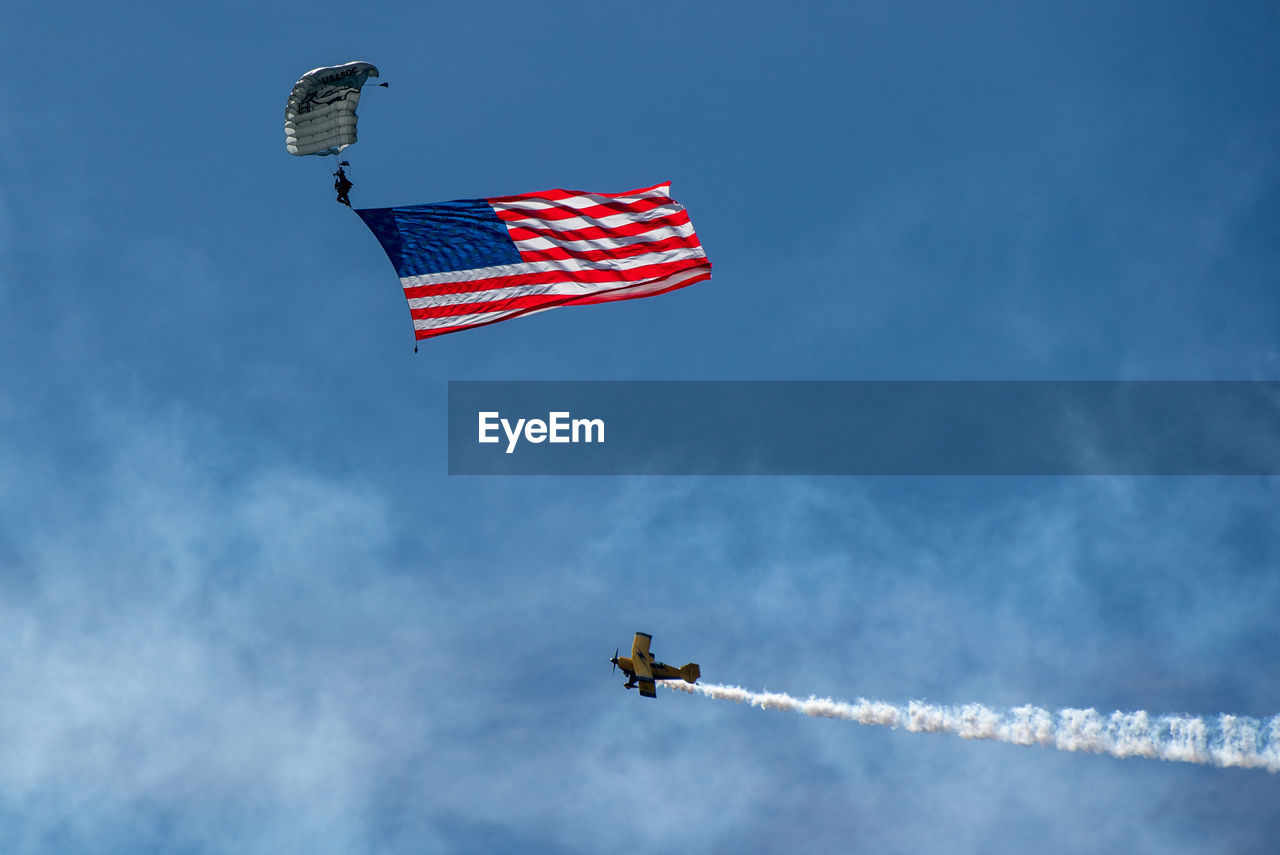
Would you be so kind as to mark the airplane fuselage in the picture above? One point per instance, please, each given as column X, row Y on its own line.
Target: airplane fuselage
column 661, row 671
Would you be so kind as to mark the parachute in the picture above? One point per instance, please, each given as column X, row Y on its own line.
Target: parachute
column 320, row 117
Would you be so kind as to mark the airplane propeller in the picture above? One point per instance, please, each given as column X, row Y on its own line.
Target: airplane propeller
column 614, row 660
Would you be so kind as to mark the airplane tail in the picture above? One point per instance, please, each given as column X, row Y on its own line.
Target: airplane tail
column 691, row 672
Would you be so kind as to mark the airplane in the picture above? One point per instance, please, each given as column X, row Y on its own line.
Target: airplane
column 642, row 670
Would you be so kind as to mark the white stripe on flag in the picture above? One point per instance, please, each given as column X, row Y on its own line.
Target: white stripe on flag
column 609, row 221
column 494, row 295
column 608, row 295
column 581, row 200
column 526, row 267
column 542, row 242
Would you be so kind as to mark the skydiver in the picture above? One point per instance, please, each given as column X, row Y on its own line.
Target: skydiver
column 342, row 184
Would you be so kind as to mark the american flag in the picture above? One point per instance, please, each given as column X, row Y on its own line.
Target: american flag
column 473, row 262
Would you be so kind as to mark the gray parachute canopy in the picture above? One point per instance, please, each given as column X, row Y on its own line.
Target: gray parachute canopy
column 320, row 117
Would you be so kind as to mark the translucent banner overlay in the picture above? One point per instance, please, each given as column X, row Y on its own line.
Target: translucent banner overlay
column 864, row 428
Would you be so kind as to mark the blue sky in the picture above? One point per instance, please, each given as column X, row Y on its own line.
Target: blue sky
column 242, row 606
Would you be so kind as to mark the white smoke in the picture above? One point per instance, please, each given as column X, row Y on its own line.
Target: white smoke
column 1223, row 740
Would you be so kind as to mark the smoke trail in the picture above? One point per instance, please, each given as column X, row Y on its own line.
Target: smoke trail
column 1225, row 740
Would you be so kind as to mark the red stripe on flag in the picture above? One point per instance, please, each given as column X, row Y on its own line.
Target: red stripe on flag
column 534, row 301
column 624, row 294
column 559, row 195
column 584, row 300
column 526, row 302
column 565, row 212
column 523, row 231
column 551, row 277
column 587, row 255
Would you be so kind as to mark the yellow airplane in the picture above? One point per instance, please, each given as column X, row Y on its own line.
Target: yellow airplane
column 641, row 670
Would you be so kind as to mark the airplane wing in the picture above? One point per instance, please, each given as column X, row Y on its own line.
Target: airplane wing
column 640, row 661
column 640, row 648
